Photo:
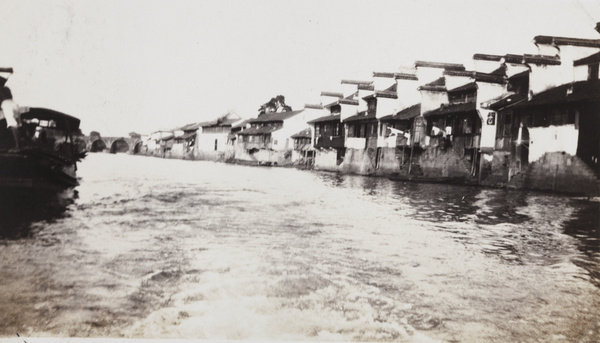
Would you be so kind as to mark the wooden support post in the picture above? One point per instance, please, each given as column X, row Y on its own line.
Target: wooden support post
column 410, row 159
column 402, row 160
column 480, row 167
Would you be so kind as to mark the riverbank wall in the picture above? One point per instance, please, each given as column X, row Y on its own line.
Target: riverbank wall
column 556, row 172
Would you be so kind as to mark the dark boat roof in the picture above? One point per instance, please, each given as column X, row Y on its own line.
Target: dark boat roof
column 63, row 121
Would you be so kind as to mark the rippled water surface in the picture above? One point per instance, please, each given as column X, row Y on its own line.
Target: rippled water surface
column 156, row 248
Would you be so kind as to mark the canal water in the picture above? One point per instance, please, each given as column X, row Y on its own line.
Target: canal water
column 160, row 248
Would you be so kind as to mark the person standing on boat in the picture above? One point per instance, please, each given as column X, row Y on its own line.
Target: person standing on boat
column 11, row 114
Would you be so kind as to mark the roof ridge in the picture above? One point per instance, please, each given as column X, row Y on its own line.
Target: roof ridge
column 558, row 40
column 332, row 94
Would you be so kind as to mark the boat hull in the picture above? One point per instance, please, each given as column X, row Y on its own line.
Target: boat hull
column 21, row 171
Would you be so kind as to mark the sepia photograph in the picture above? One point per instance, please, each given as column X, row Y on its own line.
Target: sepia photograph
column 299, row 171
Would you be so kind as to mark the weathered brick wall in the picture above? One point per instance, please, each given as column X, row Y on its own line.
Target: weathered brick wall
column 220, row 156
column 388, row 161
column 558, row 172
column 359, row 161
column 497, row 175
column 436, row 162
column 326, row 160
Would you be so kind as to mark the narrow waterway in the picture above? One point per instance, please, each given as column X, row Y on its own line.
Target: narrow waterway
column 159, row 248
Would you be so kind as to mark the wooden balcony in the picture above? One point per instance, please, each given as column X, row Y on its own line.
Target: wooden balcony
column 256, row 145
column 326, row 142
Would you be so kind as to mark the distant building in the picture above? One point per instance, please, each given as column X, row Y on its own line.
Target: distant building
column 213, row 141
column 268, row 138
column 328, row 141
column 303, row 152
column 184, row 140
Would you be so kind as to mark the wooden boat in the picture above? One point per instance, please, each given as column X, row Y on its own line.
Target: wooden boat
column 47, row 157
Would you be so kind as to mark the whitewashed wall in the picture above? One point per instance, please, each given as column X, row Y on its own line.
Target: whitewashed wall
column 385, row 107
column 552, row 139
column 408, row 94
column 484, row 66
column 432, row 100
column 453, row 82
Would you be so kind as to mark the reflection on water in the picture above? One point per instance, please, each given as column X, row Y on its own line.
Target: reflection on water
column 182, row 249
column 585, row 227
column 22, row 212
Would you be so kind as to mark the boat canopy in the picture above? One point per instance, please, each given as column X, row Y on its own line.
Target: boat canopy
column 62, row 121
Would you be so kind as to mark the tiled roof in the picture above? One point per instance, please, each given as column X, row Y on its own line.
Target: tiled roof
column 314, row 106
column 466, row 73
column 356, row 82
column 511, row 58
column 405, row 76
column 592, row 43
column 506, row 101
column 541, row 59
column 581, row 91
column 187, row 135
column 228, row 122
column 595, row 58
column 437, row 85
column 333, row 94
column 302, row 134
column 468, row 87
column 452, row 108
column 524, row 73
column 336, row 102
column 501, row 71
column 483, row 77
column 275, row 116
column 364, row 115
column 384, row 74
column 405, row 114
column 487, row 57
column 333, row 117
column 217, row 122
column 447, row 66
column 386, row 94
column 189, row 127
column 366, row 87
column 392, row 88
column 243, row 124
column 382, row 94
column 259, row 130
column 347, row 101
column 490, row 78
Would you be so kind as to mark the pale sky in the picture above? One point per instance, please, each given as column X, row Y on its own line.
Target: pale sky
column 133, row 65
